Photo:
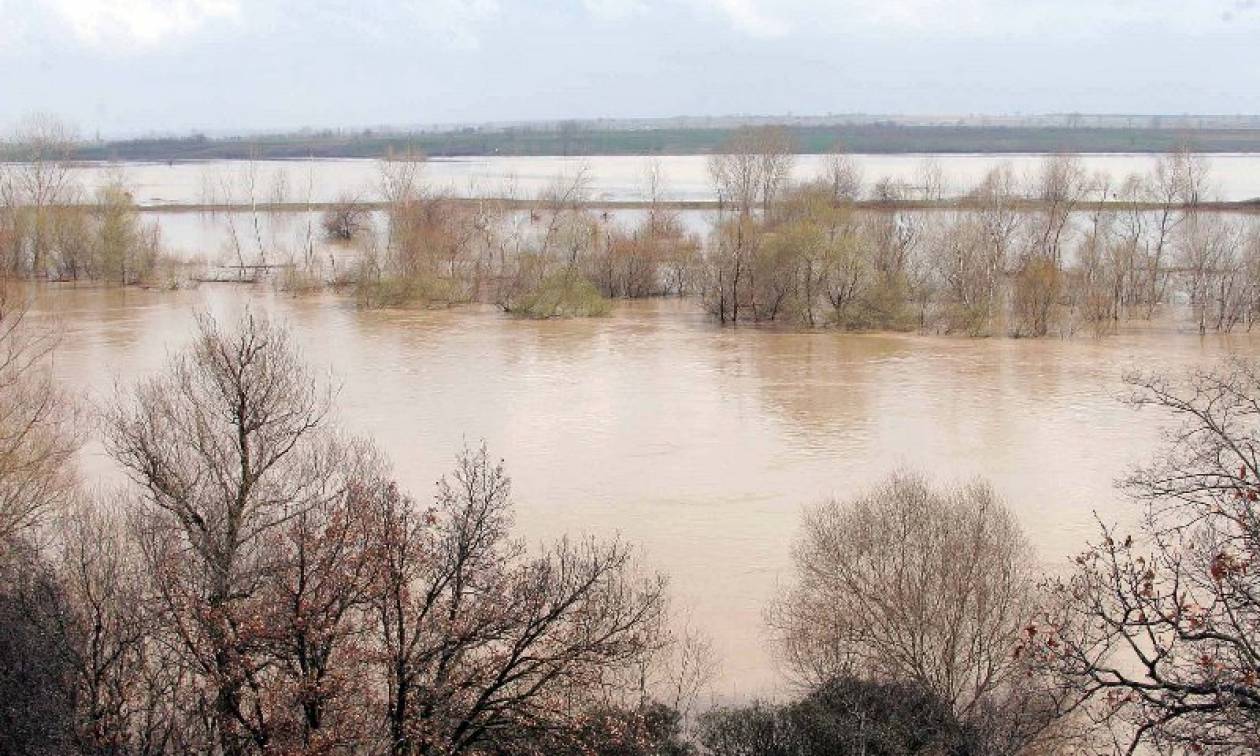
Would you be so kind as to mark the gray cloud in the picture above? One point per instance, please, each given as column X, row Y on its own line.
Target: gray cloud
column 137, row 65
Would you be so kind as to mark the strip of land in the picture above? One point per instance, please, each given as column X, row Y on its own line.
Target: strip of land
column 1247, row 206
column 884, row 138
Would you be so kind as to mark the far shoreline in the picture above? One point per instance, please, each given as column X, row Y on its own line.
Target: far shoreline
column 592, row 141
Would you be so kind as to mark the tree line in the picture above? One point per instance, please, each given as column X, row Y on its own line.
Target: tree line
column 1140, row 134
column 1058, row 252
column 1055, row 252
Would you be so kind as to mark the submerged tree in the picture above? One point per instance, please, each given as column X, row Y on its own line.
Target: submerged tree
column 35, row 187
column 751, row 167
column 125, row 249
column 345, row 219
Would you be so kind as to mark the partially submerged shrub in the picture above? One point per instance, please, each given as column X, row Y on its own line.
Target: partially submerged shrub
column 561, row 295
column 345, row 220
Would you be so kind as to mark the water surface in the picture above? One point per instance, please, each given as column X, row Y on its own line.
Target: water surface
column 612, row 178
column 701, row 444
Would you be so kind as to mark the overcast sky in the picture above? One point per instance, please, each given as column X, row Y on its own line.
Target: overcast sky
column 128, row 66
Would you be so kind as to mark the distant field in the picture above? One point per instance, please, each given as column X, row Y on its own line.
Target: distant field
column 877, row 139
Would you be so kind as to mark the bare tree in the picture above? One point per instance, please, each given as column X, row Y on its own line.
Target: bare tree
column 1060, row 186
column 893, row 237
column 483, row 646
column 38, row 423
column 229, row 447
column 933, row 182
column 1161, row 632
column 241, row 185
column 323, row 570
column 907, row 583
column 298, row 602
column 668, row 252
column 37, row 680
column 728, row 264
column 843, row 175
column 401, row 177
column 126, row 679
column 1101, row 269
column 251, row 179
column 753, row 165
column 12, row 221
column 1164, row 187
column 42, row 180
column 995, row 196
column 970, row 276
column 1132, row 226
column 1208, row 253
column 777, row 158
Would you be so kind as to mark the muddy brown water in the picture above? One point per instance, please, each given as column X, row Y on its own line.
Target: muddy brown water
column 698, row 443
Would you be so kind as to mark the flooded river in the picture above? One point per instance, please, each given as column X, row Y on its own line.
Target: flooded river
column 698, row 443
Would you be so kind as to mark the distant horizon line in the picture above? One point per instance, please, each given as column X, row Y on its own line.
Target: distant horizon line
column 1064, row 119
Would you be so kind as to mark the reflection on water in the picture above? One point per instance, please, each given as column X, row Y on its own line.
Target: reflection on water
column 702, row 444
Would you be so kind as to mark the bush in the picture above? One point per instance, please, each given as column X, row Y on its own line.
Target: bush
column 345, row 220
column 850, row 715
column 376, row 288
column 758, row 729
column 846, row 715
column 389, row 291
column 561, row 295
